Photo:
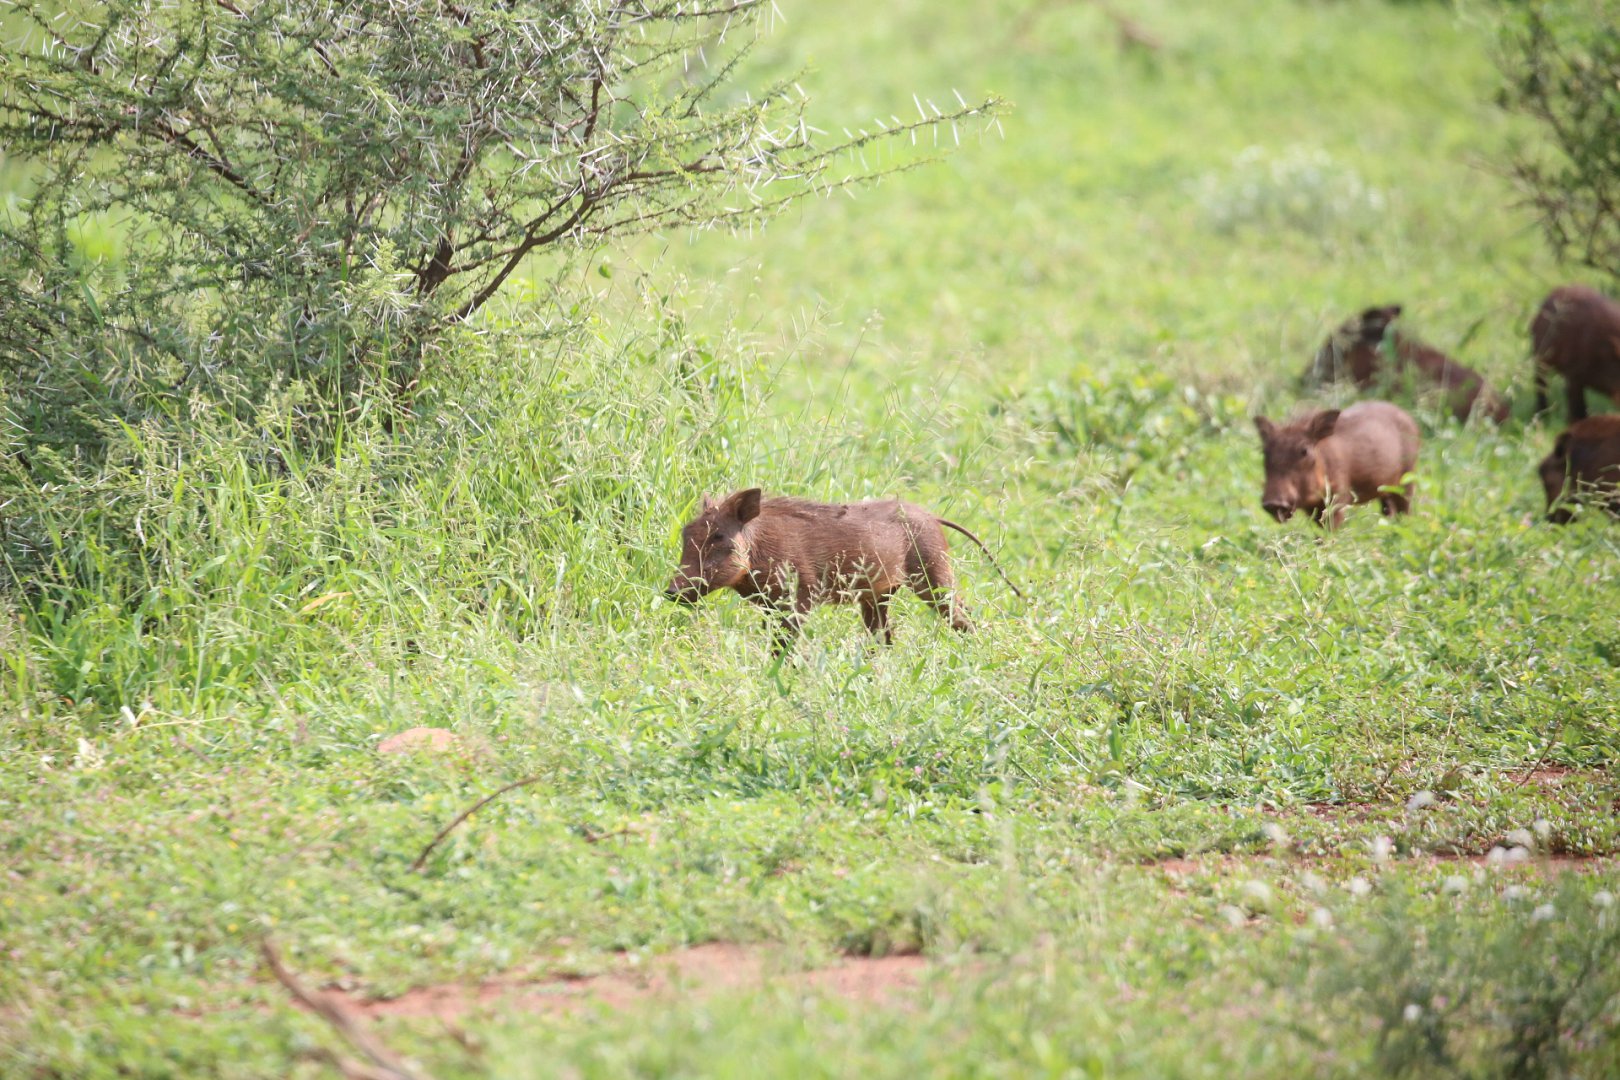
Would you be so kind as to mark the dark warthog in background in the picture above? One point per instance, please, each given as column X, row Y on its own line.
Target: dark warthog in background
column 1576, row 332
column 1361, row 349
column 1584, row 466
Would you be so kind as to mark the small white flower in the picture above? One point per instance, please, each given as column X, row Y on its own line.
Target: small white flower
column 1313, row 882
column 1322, row 918
column 1234, row 916
column 1515, row 893
column 1521, row 838
column 1412, row 1013
column 1603, row 898
column 1543, row 827
column 1360, row 886
column 1518, row 855
column 1381, row 846
column 1257, row 894
column 1420, row 800
column 1455, row 884
column 1496, row 856
column 1543, row 913
column 1274, row 832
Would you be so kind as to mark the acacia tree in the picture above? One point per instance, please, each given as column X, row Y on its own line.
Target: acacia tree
column 266, row 162
column 1560, row 61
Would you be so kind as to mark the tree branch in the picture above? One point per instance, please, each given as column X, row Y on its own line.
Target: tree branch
column 215, row 165
column 530, row 241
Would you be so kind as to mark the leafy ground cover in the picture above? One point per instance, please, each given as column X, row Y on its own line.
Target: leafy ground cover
column 1222, row 797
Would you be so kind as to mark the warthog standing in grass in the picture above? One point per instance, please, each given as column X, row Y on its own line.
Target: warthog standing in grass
column 1584, row 466
column 1576, row 332
column 1327, row 460
column 788, row 555
column 1364, row 347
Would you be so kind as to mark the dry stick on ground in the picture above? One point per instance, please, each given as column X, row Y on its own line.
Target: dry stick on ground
column 591, row 836
column 1539, row 762
column 421, row 860
column 383, row 1064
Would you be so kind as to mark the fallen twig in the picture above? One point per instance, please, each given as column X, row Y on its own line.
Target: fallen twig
column 421, row 860
column 381, row 1063
column 1538, row 763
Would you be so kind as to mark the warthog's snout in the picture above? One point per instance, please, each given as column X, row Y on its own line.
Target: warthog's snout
column 1282, row 511
column 684, row 591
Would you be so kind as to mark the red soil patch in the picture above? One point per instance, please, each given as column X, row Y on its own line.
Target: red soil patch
column 1551, row 864
column 1556, row 776
column 1178, row 866
column 698, row 970
column 1354, row 811
column 418, row 739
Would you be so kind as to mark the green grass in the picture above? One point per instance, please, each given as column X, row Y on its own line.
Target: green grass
column 1055, row 337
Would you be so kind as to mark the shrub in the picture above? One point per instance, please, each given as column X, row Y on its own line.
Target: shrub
column 1560, row 64
column 312, row 192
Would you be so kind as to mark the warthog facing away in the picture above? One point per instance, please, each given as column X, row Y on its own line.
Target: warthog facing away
column 1323, row 462
column 1361, row 348
column 1584, row 466
column 788, row 555
column 1576, row 332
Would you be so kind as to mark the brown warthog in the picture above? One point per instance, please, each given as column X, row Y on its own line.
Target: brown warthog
column 1361, row 347
column 788, row 555
column 1584, row 466
column 1327, row 460
column 1576, row 332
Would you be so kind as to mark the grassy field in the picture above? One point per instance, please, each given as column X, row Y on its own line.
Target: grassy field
column 1223, row 797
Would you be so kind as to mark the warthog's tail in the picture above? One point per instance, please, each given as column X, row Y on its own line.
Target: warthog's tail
column 987, row 554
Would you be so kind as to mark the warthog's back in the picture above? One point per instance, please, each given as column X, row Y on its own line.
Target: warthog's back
column 839, row 546
column 1377, row 444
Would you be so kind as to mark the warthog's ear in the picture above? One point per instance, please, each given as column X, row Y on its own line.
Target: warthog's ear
column 1561, row 445
column 1321, row 425
column 709, row 503
column 744, row 505
column 1265, row 427
column 1374, row 323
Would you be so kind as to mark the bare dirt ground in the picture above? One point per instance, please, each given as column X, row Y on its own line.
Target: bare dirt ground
column 1542, row 863
column 698, row 970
